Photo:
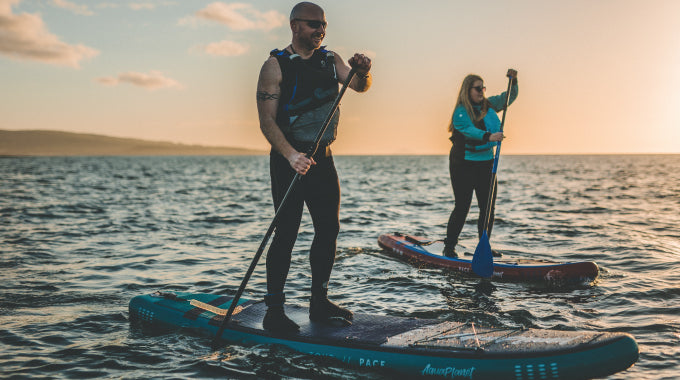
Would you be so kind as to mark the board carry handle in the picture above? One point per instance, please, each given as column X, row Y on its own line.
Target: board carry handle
column 414, row 240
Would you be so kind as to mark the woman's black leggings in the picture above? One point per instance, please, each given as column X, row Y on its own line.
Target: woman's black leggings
column 319, row 189
column 468, row 177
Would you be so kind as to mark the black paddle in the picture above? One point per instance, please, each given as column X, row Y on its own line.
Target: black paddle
column 270, row 230
column 482, row 261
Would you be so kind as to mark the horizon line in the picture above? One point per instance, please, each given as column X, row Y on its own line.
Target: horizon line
column 265, row 151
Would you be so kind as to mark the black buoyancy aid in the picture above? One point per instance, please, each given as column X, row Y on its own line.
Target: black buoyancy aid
column 308, row 90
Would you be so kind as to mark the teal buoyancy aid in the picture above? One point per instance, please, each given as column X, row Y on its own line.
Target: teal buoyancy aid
column 476, row 148
column 470, row 139
column 308, row 90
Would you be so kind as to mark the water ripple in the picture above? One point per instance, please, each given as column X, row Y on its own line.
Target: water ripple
column 81, row 236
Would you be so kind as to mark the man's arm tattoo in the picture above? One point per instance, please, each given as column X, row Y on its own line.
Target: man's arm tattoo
column 264, row 95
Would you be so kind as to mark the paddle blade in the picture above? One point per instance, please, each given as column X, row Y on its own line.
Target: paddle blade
column 482, row 261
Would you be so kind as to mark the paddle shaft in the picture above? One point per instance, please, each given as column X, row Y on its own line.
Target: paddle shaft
column 492, row 184
column 272, row 226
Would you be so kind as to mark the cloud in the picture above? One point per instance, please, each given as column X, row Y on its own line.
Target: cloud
column 108, row 5
column 25, row 37
column 141, row 6
column 239, row 16
column 152, row 81
column 75, row 8
column 137, row 6
column 6, row 6
column 226, row 48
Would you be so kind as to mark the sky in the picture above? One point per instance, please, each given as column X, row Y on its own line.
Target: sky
column 595, row 76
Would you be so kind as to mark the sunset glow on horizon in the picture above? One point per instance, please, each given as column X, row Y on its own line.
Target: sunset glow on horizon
column 594, row 76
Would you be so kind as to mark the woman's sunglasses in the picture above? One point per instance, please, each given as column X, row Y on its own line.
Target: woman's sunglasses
column 314, row 24
column 480, row 88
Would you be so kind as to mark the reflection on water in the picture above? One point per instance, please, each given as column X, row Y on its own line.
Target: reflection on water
column 81, row 236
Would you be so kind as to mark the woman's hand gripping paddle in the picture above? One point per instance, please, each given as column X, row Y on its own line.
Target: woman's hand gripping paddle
column 482, row 261
column 272, row 226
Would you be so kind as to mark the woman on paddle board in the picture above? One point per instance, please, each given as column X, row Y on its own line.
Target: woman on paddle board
column 475, row 129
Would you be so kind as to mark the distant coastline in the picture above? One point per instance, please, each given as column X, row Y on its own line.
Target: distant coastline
column 31, row 143
column 59, row 143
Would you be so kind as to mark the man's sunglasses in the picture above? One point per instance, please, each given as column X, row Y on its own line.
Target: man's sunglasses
column 314, row 24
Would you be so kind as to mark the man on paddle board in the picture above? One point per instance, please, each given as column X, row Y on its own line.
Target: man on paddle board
column 295, row 93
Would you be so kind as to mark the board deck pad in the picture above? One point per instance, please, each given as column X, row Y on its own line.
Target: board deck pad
column 368, row 329
column 466, row 253
column 408, row 346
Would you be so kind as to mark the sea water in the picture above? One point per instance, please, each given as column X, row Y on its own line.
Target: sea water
column 81, row 236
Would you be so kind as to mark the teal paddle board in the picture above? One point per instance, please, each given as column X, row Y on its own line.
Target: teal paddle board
column 407, row 347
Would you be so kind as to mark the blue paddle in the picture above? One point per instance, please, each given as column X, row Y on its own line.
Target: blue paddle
column 482, row 261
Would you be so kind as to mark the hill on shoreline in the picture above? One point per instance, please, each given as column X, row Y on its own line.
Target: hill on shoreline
column 58, row 143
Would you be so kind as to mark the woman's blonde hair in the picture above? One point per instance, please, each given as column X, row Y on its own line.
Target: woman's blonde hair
column 464, row 99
